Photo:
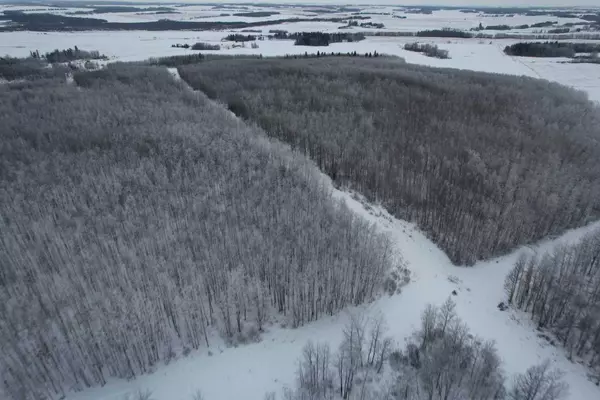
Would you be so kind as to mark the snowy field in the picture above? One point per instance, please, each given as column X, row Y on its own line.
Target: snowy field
column 247, row 372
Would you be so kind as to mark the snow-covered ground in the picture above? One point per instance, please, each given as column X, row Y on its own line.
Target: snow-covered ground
column 251, row 370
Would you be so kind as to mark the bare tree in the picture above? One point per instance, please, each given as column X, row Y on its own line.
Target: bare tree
column 539, row 382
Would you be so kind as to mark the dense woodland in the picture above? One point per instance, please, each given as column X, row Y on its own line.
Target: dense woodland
column 481, row 162
column 561, row 291
column 442, row 360
column 137, row 218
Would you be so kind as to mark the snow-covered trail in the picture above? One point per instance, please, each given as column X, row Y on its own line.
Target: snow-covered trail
column 479, row 290
column 249, row 371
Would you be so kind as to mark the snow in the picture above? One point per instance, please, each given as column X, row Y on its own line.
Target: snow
column 251, row 370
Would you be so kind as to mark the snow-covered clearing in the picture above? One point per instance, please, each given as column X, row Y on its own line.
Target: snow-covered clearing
column 251, row 370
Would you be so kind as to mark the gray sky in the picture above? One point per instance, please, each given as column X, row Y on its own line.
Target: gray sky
column 505, row 3
column 495, row 3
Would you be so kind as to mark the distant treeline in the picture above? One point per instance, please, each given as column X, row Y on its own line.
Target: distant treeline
column 236, row 37
column 324, row 39
column 430, row 50
column 483, row 35
column 550, row 49
column 591, row 17
column 257, row 14
column 121, row 9
column 509, row 27
column 444, row 33
column 205, row 46
column 312, row 38
column 518, row 10
column 44, row 22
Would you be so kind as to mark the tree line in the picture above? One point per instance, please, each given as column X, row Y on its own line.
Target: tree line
column 323, row 38
column 561, row 291
column 30, row 68
column 481, row 162
column 66, row 55
column 550, row 49
column 45, row 22
column 590, row 35
column 441, row 360
column 430, row 50
column 138, row 219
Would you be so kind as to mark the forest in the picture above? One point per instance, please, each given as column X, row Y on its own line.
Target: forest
column 138, row 219
column 560, row 290
column 482, row 163
column 441, row 360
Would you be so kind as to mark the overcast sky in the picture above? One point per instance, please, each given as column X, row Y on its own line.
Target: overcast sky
column 505, row 3
column 495, row 3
